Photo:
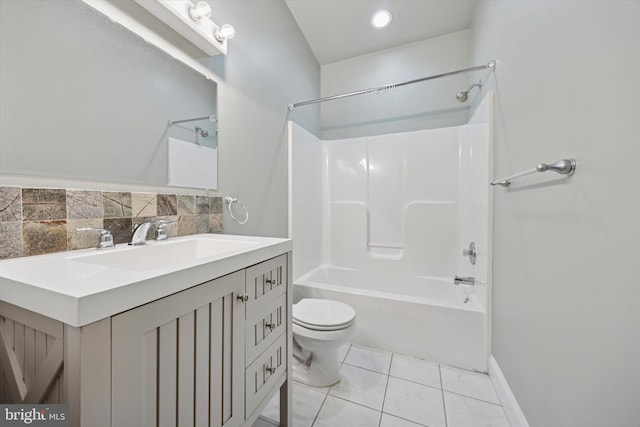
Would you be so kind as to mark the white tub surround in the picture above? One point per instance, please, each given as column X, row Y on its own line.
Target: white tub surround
column 146, row 335
column 385, row 219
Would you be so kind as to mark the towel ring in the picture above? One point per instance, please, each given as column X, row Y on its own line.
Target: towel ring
column 231, row 200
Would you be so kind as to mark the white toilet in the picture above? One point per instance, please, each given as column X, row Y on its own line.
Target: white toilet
column 320, row 328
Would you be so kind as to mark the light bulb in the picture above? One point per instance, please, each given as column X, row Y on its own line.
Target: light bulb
column 381, row 19
column 199, row 11
column 225, row 32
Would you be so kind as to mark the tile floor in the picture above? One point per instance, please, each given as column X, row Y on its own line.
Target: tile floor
column 384, row 389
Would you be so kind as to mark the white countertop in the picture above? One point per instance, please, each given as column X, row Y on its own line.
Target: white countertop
column 68, row 287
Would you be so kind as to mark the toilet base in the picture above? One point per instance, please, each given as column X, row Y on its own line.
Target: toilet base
column 322, row 371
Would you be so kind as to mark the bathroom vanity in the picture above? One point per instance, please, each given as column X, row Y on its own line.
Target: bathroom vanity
column 192, row 331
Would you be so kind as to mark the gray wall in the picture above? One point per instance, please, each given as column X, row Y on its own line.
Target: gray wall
column 566, row 289
column 268, row 65
column 424, row 105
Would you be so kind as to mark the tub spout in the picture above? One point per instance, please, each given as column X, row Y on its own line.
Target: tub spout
column 457, row 280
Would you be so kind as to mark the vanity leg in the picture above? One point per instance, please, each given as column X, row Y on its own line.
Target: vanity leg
column 286, row 402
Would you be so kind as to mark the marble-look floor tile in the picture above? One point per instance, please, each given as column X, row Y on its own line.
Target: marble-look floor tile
column 340, row 413
column 416, row 370
column 467, row 412
column 361, row 386
column 306, row 405
column 391, row 421
column 415, row 402
column 343, row 351
column 369, row 358
column 467, row 383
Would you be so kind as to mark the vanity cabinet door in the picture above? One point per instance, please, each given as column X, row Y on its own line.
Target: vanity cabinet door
column 175, row 360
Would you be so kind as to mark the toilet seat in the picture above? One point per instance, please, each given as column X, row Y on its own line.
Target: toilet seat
column 323, row 315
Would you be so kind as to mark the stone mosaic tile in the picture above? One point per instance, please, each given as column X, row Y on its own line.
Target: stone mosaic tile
column 186, row 225
column 186, row 205
column 11, row 232
column 167, row 204
column 10, row 204
column 83, row 239
column 121, row 229
column 216, row 205
column 202, row 205
column 42, row 204
column 116, row 205
column 82, row 204
column 172, row 229
column 144, row 204
column 215, row 223
column 202, row 224
column 43, row 237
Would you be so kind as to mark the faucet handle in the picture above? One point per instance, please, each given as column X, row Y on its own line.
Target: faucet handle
column 161, row 232
column 106, row 239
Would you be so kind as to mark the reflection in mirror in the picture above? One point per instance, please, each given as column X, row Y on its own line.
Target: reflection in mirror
column 84, row 98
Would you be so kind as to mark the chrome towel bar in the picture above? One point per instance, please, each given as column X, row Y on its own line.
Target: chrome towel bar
column 563, row 167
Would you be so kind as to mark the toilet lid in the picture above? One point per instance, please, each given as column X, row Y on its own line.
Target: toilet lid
column 323, row 314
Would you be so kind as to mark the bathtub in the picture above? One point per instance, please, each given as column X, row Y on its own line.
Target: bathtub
column 425, row 317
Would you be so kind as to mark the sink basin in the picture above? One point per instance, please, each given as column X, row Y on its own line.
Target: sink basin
column 162, row 255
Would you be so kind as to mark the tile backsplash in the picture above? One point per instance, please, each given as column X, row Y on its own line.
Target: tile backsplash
column 36, row 221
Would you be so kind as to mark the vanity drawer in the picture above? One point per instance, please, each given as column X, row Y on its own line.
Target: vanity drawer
column 263, row 374
column 265, row 327
column 264, row 283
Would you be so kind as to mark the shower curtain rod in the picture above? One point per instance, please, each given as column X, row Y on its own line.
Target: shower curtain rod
column 491, row 65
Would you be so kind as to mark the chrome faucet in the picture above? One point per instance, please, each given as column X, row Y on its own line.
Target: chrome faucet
column 139, row 236
column 457, row 280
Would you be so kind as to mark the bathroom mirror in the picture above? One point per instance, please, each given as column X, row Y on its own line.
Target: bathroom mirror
column 83, row 98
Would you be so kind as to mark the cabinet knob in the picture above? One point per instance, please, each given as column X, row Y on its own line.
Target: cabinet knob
column 271, row 326
column 270, row 281
column 243, row 297
column 270, row 369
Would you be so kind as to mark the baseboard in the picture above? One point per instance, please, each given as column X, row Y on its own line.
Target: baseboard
column 509, row 403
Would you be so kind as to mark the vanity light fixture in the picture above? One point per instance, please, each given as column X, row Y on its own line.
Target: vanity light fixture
column 199, row 11
column 226, row 32
column 192, row 20
column 381, row 19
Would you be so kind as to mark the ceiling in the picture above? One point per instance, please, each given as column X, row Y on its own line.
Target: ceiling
column 340, row 29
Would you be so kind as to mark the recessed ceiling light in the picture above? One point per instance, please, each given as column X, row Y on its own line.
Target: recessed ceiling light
column 381, row 19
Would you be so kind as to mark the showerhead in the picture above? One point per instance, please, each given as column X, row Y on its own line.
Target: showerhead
column 203, row 132
column 464, row 95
